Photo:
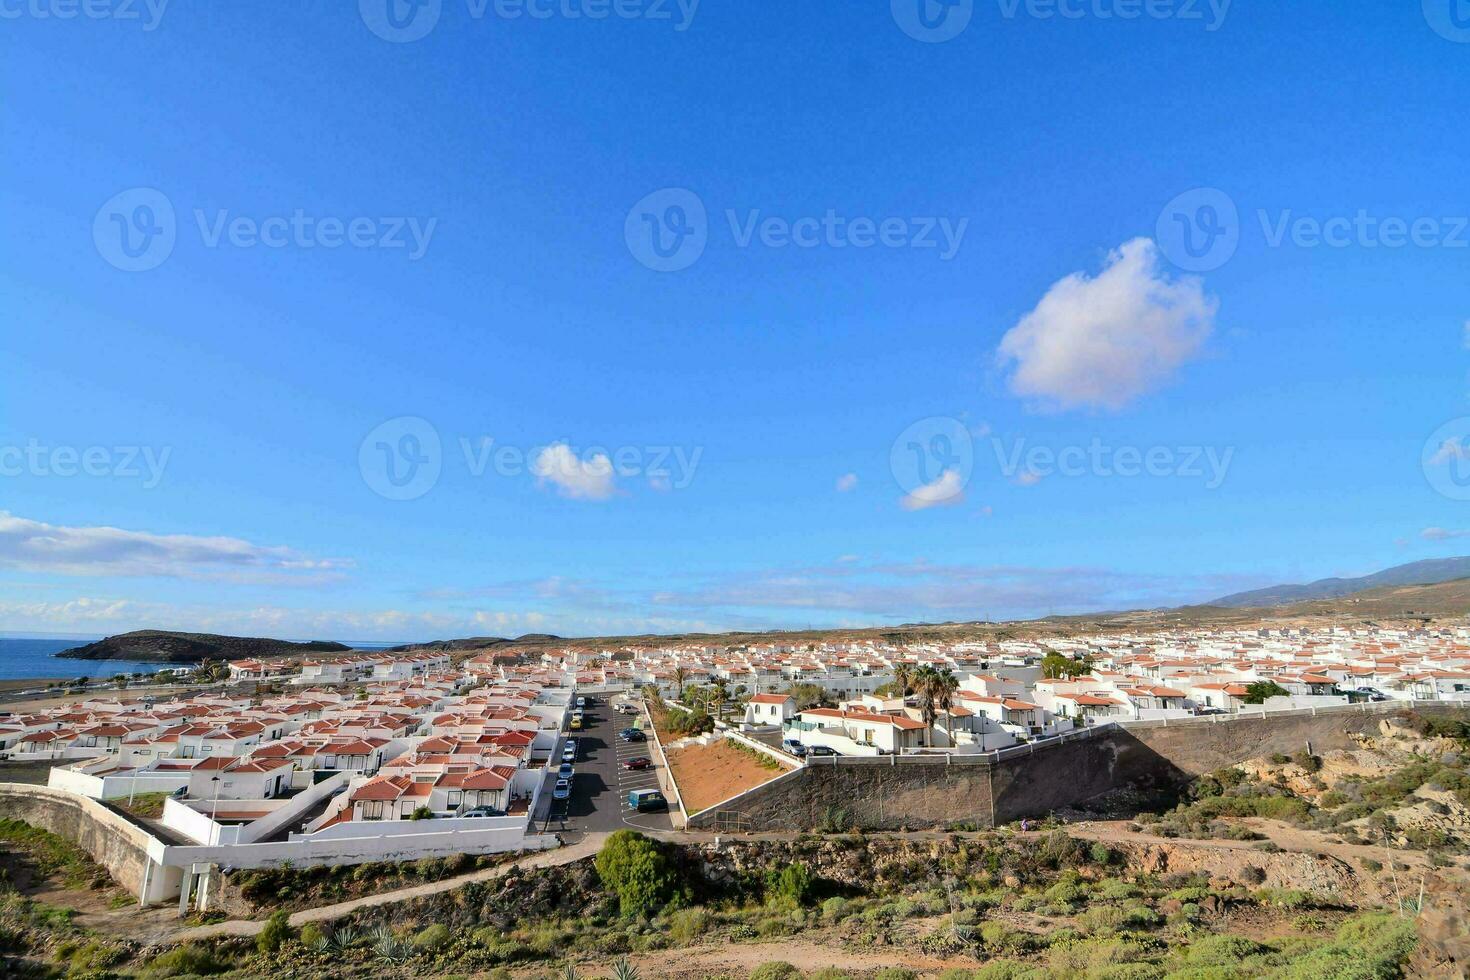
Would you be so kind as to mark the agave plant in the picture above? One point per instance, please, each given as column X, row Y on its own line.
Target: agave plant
column 379, row 934
column 570, row 973
column 394, row 950
column 345, row 937
column 623, row 970
column 323, row 944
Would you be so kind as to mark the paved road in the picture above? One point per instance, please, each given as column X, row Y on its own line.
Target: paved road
column 600, row 788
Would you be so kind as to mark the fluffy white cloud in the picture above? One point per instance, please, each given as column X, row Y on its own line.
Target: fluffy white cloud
column 579, row 479
column 946, row 491
column 846, row 482
column 39, row 547
column 1103, row 342
column 1442, row 534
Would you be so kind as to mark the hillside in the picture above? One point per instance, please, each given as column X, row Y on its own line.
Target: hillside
column 1428, row 572
column 161, row 646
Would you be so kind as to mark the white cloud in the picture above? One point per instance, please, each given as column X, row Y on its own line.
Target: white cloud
column 1103, row 342
column 946, row 491
column 1028, row 478
column 579, row 479
column 39, row 547
column 846, row 482
column 1442, row 534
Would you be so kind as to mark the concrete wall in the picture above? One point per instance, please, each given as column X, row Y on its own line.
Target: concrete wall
column 114, row 842
column 924, row 792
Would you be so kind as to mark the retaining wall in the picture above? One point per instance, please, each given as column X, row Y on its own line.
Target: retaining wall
column 113, row 841
column 919, row 792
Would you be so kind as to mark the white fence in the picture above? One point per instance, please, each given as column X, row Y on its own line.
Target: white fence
column 1251, row 712
column 386, row 844
column 113, row 787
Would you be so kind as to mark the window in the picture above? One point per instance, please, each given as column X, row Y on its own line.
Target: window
column 455, row 796
column 372, row 810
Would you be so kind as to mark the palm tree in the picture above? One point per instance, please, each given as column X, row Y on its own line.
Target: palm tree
column 903, row 674
column 680, row 674
column 718, row 695
column 926, row 687
column 945, row 684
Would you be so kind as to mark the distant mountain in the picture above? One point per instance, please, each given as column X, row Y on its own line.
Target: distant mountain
column 162, row 646
column 1431, row 571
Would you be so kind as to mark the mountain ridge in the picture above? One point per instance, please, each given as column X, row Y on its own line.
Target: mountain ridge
column 1430, row 571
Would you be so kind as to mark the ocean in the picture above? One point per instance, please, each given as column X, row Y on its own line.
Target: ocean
column 27, row 656
column 24, row 657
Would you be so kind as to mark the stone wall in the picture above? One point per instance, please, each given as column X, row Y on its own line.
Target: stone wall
column 111, row 840
column 915, row 793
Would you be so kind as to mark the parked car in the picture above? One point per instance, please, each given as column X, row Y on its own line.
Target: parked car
column 644, row 800
column 566, row 771
column 639, row 762
column 581, row 703
column 632, row 735
column 794, row 747
column 484, row 811
column 562, row 790
column 569, row 750
column 577, row 722
column 820, row 750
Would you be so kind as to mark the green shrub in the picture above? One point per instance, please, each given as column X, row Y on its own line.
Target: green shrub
column 639, row 872
column 432, row 938
column 957, row 973
column 832, row 973
column 1102, row 920
column 895, row 973
column 777, row 970
column 834, row 908
column 188, row 960
column 277, row 930
column 1369, row 946
column 687, row 925
column 1004, row 970
column 1114, row 889
column 792, row 882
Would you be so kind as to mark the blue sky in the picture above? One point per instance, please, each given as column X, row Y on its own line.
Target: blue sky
column 725, row 444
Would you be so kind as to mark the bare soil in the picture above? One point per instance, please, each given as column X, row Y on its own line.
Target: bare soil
column 707, row 774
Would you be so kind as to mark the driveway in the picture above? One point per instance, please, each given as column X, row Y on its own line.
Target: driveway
column 600, row 788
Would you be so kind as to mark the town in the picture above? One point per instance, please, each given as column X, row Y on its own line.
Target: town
column 372, row 756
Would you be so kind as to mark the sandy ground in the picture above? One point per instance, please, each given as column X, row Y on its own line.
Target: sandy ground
column 707, row 774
